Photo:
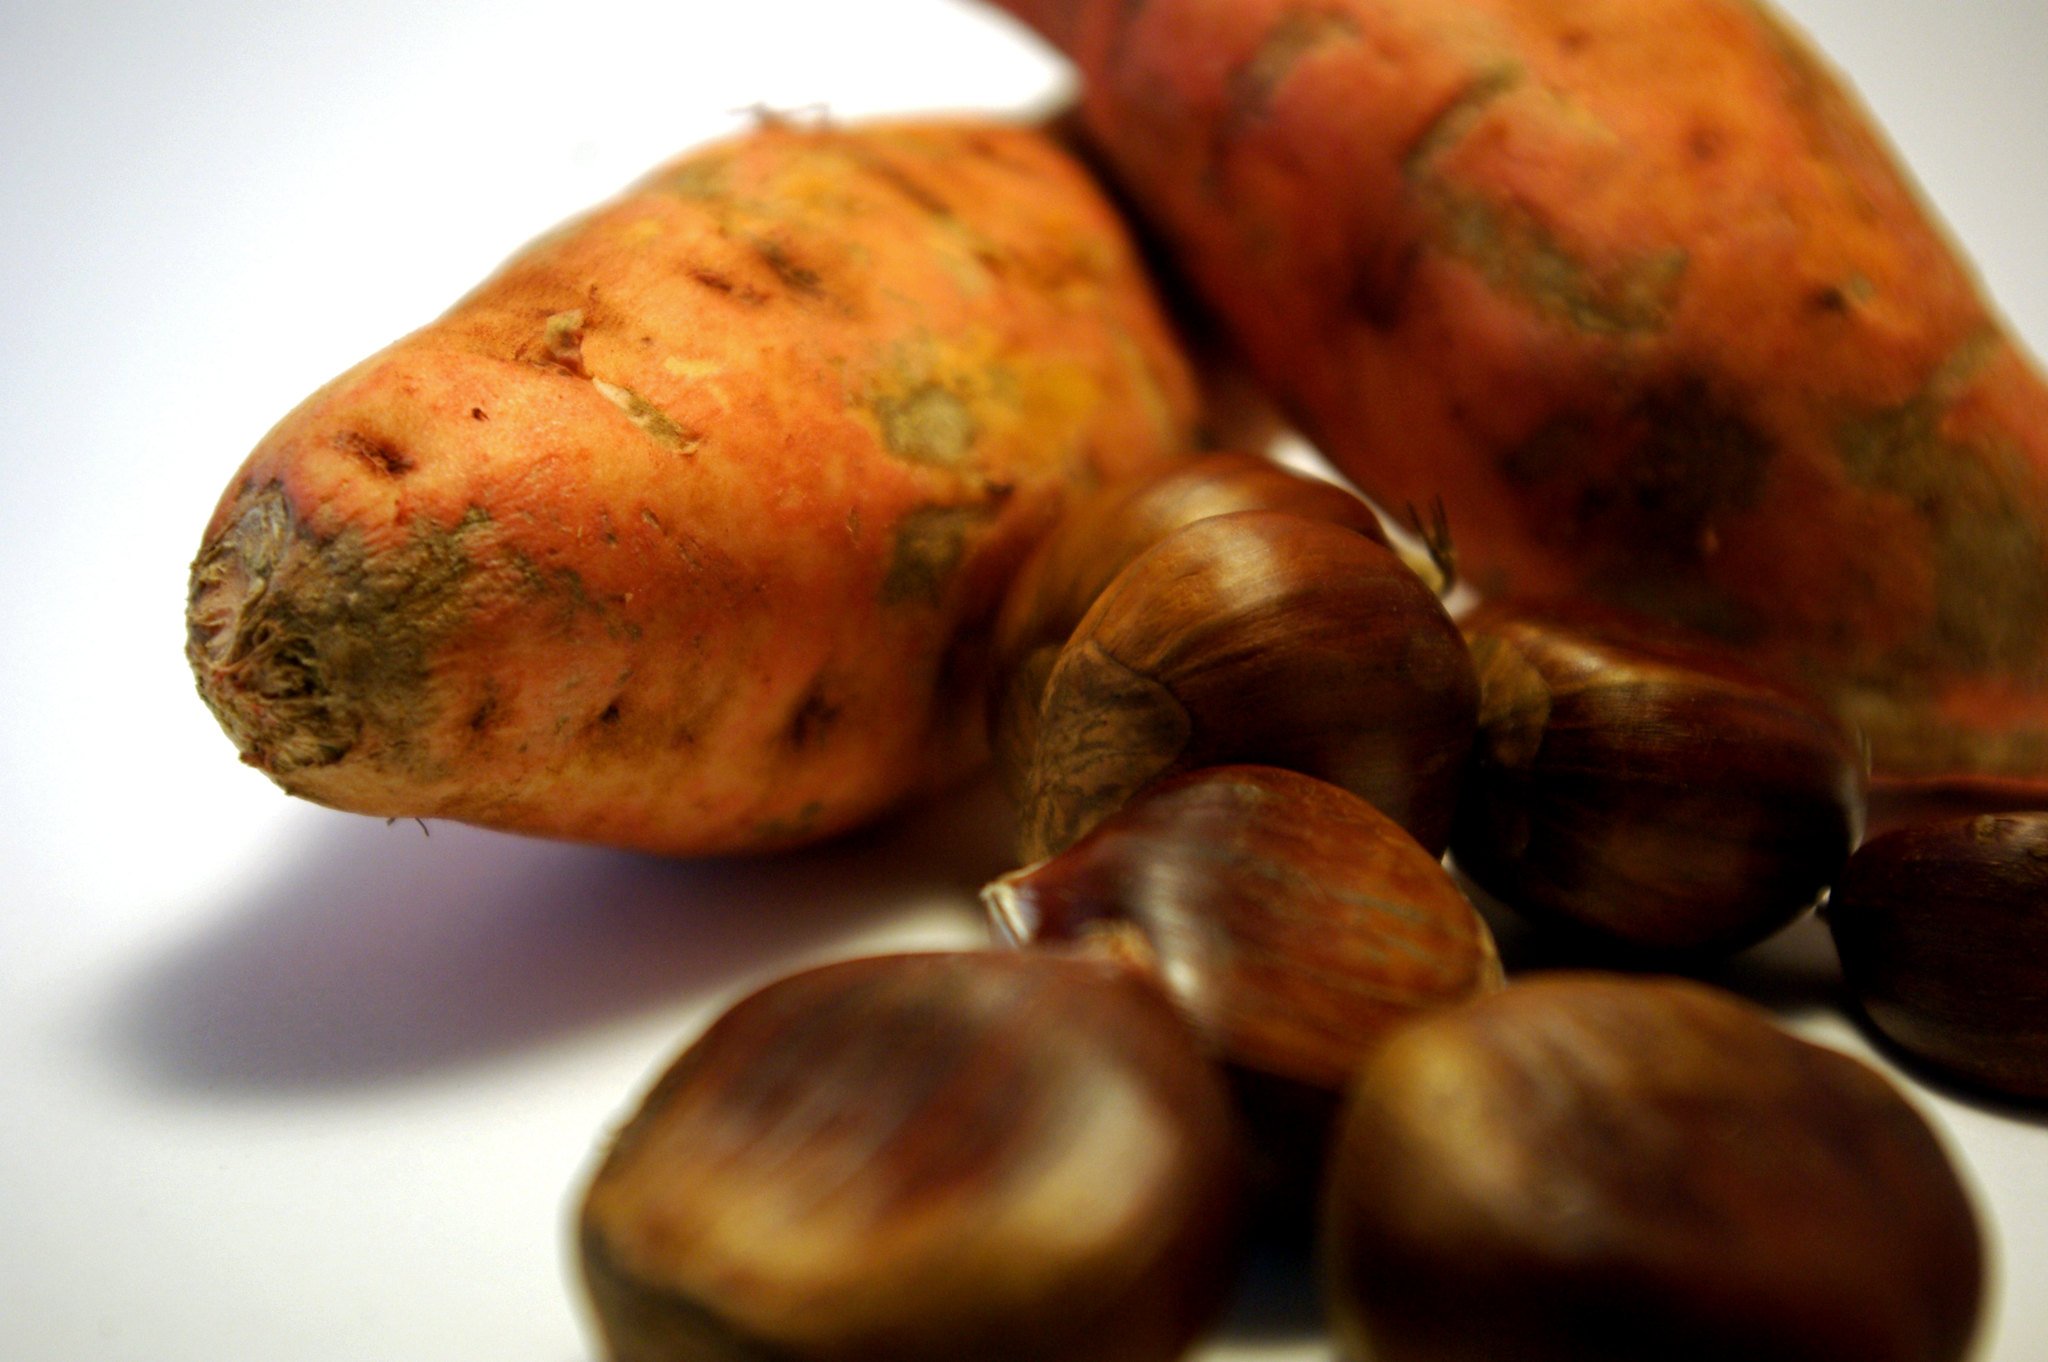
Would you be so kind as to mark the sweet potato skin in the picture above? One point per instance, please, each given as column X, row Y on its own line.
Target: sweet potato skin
column 679, row 532
column 1639, row 290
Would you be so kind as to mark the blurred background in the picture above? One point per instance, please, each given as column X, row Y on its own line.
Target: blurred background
column 281, row 1082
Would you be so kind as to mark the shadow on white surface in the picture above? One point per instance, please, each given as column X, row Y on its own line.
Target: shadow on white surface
column 375, row 954
column 2004, row 1107
column 1277, row 1302
column 1794, row 973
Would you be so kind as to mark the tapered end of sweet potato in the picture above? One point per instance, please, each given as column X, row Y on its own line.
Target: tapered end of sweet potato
column 229, row 578
column 261, row 681
column 297, row 643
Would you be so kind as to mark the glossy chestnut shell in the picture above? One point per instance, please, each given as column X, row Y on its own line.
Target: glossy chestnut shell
column 1942, row 928
column 948, row 1156
column 1263, row 638
column 1293, row 924
column 1093, row 541
column 1589, row 1168
column 1642, row 788
column 1101, row 533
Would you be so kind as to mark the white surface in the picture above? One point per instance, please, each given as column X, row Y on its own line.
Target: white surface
column 281, row 1083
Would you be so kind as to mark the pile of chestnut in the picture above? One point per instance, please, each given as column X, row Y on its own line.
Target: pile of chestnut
column 1241, row 732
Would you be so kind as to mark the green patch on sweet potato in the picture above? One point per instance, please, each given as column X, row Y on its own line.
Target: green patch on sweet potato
column 1990, row 565
column 1296, row 36
column 928, row 547
column 304, row 645
column 1519, row 254
column 656, row 423
column 1643, row 490
column 930, row 424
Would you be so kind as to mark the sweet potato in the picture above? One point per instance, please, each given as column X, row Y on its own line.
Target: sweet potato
column 681, row 531
column 1636, row 287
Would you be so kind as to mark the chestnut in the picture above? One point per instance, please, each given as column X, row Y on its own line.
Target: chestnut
column 1092, row 542
column 1292, row 923
column 966, row 1155
column 1646, row 789
column 1942, row 928
column 1255, row 637
column 1592, row 1168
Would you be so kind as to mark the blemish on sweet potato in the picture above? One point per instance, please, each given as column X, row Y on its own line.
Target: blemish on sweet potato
column 1520, row 256
column 720, row 282
column 1829, row 299
column 928, row 546
column 1694, row 458
column 650, row 418
column 1518, row 253
column 1296, row 36
column 1991, row 593
column 1455, row 121
column 380, row 456
column 795, row 276
column 1646, row 486
column 304, row 647
column 799, row 826
column 813, row 720
column 929, row 424
column 562, row 588
column 488, row 712
column 1991, row 586
column 562, row 342
column 686, row 545
column 902, row 181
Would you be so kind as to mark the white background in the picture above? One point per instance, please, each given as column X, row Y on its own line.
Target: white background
column 282, row 1083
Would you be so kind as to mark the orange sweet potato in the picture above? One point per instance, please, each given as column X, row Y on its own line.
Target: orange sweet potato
column 1637, row 287
column 679, row 533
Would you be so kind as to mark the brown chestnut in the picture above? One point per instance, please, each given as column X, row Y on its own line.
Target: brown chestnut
column 1093, row 541
column 1100, row 533
column 1942, row 928
column 982, row 1155
column 1589, row 1168
column 1292, row 923
column 1255, row 637
column 1645, row 788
